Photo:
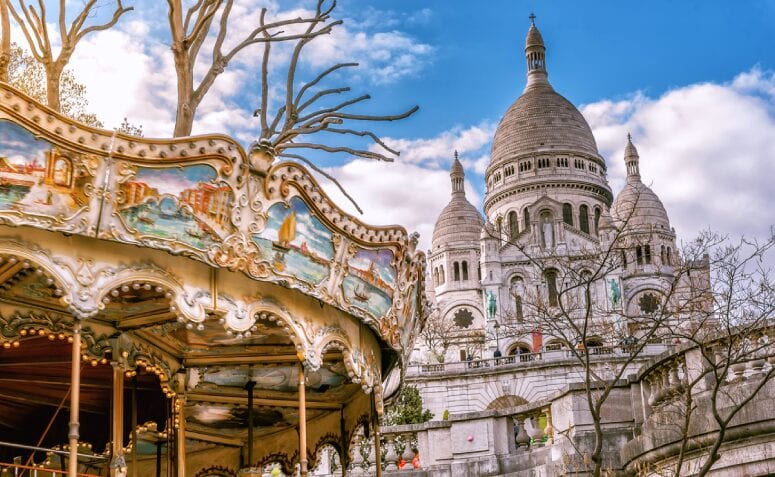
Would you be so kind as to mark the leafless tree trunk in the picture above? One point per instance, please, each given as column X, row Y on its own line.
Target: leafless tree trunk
column 5, row 40
column 189, row 29
column 33, row 23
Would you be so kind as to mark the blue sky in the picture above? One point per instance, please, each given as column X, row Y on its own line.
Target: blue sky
column 692, row 80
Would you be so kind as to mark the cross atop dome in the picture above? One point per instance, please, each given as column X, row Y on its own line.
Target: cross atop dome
column 532, row 18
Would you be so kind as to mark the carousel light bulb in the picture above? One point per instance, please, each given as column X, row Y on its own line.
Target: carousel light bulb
column 181, row 319
column 23, row 332
column 189, row 326
column 125, row 354
column 114, row 292
column 229, row 333
column 248, row 333
column 159, row 289
column 38, row 272
column 104, row 361
column 49, row 281
column 58, row 292
column 173, row 308
column 61, row 336
column 221, row 320
column 16, row 344
column 106, row 300
column 93, row 362
column 125, row 288
column 42, row 332
column 33, row 331
column 147, row 287
column 69, row 339
column 168, row 295
column 200, row 327
column 52, row 337
column 6, row 344
column 13, row 260
column 253, row 328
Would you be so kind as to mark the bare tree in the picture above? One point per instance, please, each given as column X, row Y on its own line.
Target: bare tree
column 726, row 347
column 34, row 25
column 191, row 27
column 5, row 40
column 27, row 74
column 287, row 133
column 438, row 335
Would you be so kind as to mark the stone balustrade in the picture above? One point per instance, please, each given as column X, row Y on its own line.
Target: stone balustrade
column 506, row 363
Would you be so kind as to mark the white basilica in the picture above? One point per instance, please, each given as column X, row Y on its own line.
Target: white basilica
column 547, row 195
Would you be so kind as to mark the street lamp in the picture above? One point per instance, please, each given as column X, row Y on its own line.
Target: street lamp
column 497, row 353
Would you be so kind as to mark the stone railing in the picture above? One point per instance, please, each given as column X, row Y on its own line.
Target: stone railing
column 515, row 361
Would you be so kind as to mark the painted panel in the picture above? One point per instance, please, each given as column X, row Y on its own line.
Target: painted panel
column 186, row 204
column 296, row 242
column 38, row 178
column 370, row 281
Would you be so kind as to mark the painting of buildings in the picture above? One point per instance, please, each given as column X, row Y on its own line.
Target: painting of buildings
column 298, row 244
column 370, row 281
column 184, row 204
column 37, row 177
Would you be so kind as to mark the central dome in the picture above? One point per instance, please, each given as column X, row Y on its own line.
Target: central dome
column 541, row 120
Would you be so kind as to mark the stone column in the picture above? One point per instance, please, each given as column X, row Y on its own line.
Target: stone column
column 523, row 440
column 391, row 457
column 407, row 455
column 356, row 463
column 75, row 396
column 372, row 461
column 549, row 429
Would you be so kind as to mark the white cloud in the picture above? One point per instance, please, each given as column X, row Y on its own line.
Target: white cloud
column 396, row 193
column 706, row 149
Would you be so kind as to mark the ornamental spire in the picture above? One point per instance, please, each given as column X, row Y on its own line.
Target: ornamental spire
column 535, row 54
column 458, row 176
column 631, row 159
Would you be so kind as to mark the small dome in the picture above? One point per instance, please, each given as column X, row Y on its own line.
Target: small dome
column 541, row 120
column 534, row 37
column 459, row 221
column 637, row 206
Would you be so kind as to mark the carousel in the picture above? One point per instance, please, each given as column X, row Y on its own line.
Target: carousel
column 185, row 307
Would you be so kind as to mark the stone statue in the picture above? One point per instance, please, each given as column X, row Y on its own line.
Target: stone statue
column 616, row 293
column 492, row 306
column 547, row 234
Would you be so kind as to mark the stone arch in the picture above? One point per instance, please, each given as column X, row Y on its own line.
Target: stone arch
column 507, row 401
column 216, row 471
column 519, row 347
column 329, row 439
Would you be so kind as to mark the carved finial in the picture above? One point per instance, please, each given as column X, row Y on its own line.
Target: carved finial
column 456, row 154
column 532, row 18
column 629, row 137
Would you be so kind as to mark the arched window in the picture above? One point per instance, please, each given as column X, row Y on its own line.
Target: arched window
column 465, row 270
column 584, row 218
column 624, row 259
column 586, row 286
column 479, row 271
column 526, row 215
column 669, row 254
column 647, row 253
column 442, row 277
column 547, row 230
column 639, row 255
column 499, row 227
column 517, row 290
column 436, row 276
column 597, row 221
column 513, row 224
column 456, row 268
column 662, row 257
column 462, row 355
column 551, row 286
column 567, row 213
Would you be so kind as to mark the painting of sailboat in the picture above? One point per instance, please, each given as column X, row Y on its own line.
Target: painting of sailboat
column 296, row 242
column 186, row 204
column 370, row 280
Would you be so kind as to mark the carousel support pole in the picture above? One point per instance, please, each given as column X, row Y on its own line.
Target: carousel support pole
column 302, row 421
column 158, row 459
column 118, row 464
column 377, row 443
column 249, row 386
column 181, row 437
column 134, row 426
column 75, row 396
